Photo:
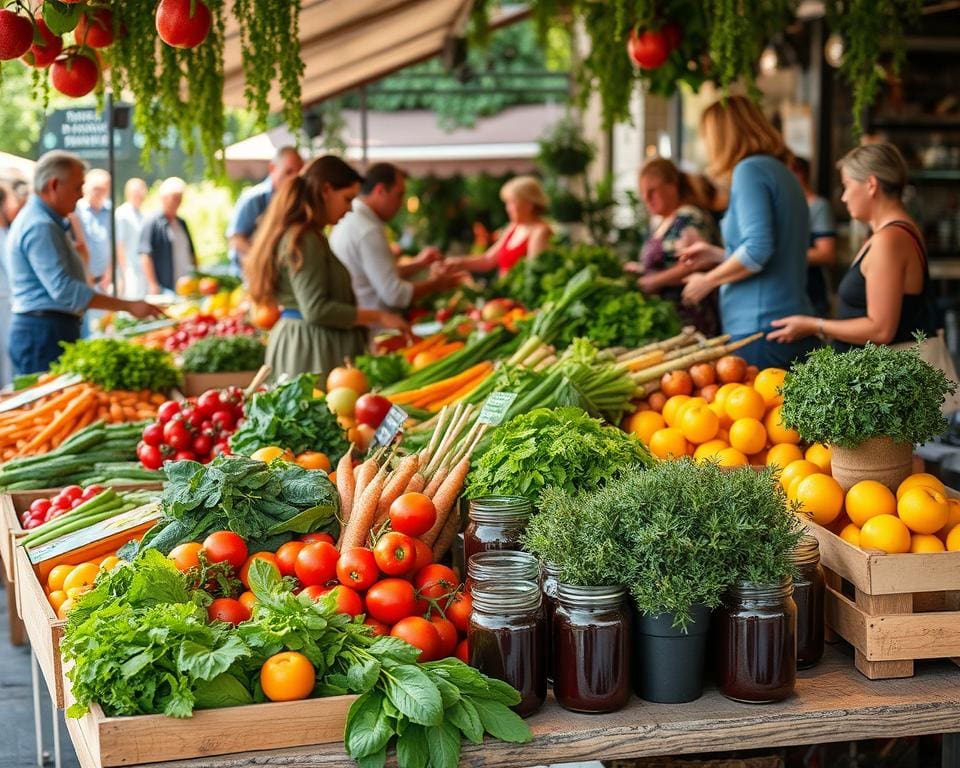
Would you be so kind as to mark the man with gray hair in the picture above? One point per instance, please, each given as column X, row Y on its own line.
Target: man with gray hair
column 95, row 216
column 166, row 248
column 252, row 203
column 48, row 280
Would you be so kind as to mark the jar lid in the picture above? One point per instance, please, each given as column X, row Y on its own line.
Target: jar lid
column 755, row 589
column 591, row 596
column 503, row 564
column 806, row 551
column 496, row 597
column 495, row 508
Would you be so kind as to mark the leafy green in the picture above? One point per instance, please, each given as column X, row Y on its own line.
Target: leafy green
column 383, row 370
column 544, row 278
column 224, row 354
column 561, row 447
column 246, row 496
column 846, row 398
column 291, row 417
column 114, row 364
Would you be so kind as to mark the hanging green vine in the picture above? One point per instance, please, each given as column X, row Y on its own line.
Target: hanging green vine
column 867, row 27
column 738, row 31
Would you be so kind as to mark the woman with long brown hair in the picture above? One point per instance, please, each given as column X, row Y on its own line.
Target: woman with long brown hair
column 290, row 264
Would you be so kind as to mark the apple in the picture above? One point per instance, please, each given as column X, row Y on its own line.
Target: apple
column 371, row 409
column 209, row 286
column 496, row 309
column 342, row 401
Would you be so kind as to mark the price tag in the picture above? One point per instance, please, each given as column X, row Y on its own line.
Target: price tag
column 390, row 425
column 495, row 408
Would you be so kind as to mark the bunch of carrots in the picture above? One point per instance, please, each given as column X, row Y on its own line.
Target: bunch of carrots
column 435, row 396
column 439, row 472
column 437, row 345
column 44, row 424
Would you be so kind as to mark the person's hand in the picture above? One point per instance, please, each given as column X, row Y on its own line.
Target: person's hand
column 633, row 268
column 696, row 288
column 428, row 256
column 142, row 310
column 649, row 283
column 700, row 255
column 154, row 289
column 394, row 322
column 792, row 328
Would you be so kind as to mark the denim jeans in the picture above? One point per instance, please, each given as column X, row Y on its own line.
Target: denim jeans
column 35, row 341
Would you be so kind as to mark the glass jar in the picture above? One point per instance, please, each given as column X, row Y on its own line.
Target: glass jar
column 757, row 651
column 550, row 583
column 503, row 565
column 496, row 522
column 506, row 639
column 591, row 646
column 808, row 594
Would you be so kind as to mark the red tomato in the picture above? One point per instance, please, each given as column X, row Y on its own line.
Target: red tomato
column 153, row 434
column 648, row 49
column 459, row 612
column 435, row 581
column 229, row 610
column 176, row 435
column 209, row 403
column 224, row 419
column 345, row 599
column 413, row 514
column 421, row 634
column 424, row 555
column 149, row 456
column 357, row 568
column 314, row 592
column 371, row 409
column 287, row 557
column 447, row 634
column 379, row 628
column 184, row 456
column 202, row 445
column 463, row 651
column 186, row 556
column 72, row 492
column 316, row 563
column 39, row 507
column 90, row 491
column 317, row 536
column 268, row 556
column 167, row 411
column 226, row 546
column 76, row 503
column 391, row 600
column 395, row 554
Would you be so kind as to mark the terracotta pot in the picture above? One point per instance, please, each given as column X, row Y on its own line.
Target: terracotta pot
column 878, row 458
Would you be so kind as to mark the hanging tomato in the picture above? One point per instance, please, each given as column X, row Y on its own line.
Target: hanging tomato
column 96, row 28
column 648, row 49
column 183, row 23
column 75, row 74
column 16, row 35
column 43, row 53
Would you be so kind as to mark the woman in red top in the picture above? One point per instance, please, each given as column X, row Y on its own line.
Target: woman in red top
column 527, row 235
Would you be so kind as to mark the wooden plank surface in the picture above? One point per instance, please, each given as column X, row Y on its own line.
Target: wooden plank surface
column 834, row 702
column 43, row 627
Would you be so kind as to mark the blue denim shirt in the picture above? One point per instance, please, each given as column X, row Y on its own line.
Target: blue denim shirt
column 96, row 230
column 45, row 270
column 250, row 206
column 767, row 229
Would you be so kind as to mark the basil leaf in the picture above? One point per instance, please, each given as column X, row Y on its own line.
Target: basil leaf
column 222, row 691
column 376, row 760
column 367, row 731
column 362, row 677
column 449, row 693
column 414, row 694
column 465, row 716
column 501, row 722
column 394, row 647
column 443, row 741
column 412, row 749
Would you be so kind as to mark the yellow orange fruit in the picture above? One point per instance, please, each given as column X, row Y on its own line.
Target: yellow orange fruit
column 82, row 576
column 267, row 454
column 923, row 509
column 721, row 412
column 953, row 518
column 731, row 457
column 886, row 533
column 65, row 608
column 821, row 497
column 783, row 454
column 768, row 381
column 821, row 455
column 709, row 449
column 748, row 436
column 924, row 543
column 851, row 535
column 920, row 478
column 57, row 598
column 795, row 469
column 671, row 409
column 313, row 460
column 745, row 403
column 778, row 433
column 644, row 423
column 56, row 576
column 668, row 443
column 698, row 423
column 109, row 563
column 724, row 392
column 953, row 539
column 758, row 459
column 867, row 499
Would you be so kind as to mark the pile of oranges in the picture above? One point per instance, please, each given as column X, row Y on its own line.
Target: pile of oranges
column 65, row 583
column 726, row 412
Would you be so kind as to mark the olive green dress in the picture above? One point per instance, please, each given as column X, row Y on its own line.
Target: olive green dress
column 321, row 291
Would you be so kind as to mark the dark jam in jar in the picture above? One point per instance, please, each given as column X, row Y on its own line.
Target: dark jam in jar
column 591, row 648
column 808, row 593
column 550, row 583
column 507, row 638
column 503, row 566
column 496, row 522
column 757, row 634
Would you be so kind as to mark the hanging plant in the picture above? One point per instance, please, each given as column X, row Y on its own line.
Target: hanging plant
column 738, row 32
column 564, row 151
column 867, row 28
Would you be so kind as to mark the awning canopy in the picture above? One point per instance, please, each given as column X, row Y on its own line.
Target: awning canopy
column 346, row 43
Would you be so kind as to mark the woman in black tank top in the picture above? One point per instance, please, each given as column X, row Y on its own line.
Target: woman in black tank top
column 888, row 298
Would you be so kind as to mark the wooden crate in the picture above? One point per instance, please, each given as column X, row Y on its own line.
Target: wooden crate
column 103, row 741
column 894, row 609
column 195, row 384
column 43, row 627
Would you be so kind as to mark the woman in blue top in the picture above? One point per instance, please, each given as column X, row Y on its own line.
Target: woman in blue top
column 762, row 271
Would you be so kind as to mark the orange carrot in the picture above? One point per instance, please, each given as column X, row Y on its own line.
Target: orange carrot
column 366, row 473
column 399, row 480
column 434, row 485
column 447, row 536
column 446, row 496
column 417, row 483
column 345, row 484
column 84, row 400
column 364, row 513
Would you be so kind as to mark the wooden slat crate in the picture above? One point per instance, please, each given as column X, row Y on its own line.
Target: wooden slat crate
column 894, row 609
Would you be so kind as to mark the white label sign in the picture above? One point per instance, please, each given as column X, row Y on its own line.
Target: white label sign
column 390, row 425
column 495, row 408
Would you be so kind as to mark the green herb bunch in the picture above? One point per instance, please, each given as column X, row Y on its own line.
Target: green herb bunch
column 291, row 417
column 534, row 282
column 560, row 447
column 383, row 370
column 846, row 398
column 114, row 364
column 224, row 354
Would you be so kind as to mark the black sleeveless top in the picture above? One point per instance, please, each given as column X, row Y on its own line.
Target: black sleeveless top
column 916, row 311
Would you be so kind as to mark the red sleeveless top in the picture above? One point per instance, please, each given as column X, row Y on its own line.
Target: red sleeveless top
column 509, row 255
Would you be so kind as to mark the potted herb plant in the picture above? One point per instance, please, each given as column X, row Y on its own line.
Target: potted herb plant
column 564, row 151
column 872, row 405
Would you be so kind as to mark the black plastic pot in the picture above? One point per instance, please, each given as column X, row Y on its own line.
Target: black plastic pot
column 668, row 662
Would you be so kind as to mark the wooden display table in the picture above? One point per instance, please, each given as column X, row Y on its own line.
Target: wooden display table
column 834, row 702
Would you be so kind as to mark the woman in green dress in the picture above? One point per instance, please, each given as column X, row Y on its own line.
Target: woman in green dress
column 290, row 265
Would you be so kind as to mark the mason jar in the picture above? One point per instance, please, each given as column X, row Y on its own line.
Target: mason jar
column 495, row 522
column 808, row 595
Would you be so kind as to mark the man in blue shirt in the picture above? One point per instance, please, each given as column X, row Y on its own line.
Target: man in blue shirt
column 49, row 286
column 94, row 214
column 252, row 203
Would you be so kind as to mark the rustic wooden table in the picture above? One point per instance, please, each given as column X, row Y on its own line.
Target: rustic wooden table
column 833, row 702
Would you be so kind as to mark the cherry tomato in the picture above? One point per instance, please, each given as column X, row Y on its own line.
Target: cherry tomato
column 421, row 634
column 316, row 563
column 91, row 491
column 222, row 446
column 459, row 612
column 149, row 456
column 153, row 434
column 248, row 600
column 448, row 635
column 76, row 503
column 209, row 403
column 184, row 456
column 315, row 592
column 266, row 556
column 226, row 546
column 391, row 600
column 229, row 610
column 193, row 418
column 347, row 600
column 202, row 445
column 424, row 555
column 413, row 514
column 435, row 581
column 463, row 651
column 357, row 568
column 186, row 556
column 287, row 557
column 395, row 554
column 176, row 435
column 317, row 536
column 224, row 419
column 379, row 628
column 39, row 507
column 72, row 492
column 167, row 411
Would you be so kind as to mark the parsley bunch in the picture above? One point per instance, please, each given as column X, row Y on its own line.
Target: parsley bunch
column 224, row 354
column 114, row 364
column 877, row 391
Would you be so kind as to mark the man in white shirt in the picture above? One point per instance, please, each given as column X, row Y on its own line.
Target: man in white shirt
column 129, row 223
column 359, row 240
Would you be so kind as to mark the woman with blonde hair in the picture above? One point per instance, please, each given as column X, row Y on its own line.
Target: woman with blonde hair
column 885, row 295
column 290, row 264
column 762, row 270
column 527, row 235
column 680, row 220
